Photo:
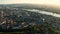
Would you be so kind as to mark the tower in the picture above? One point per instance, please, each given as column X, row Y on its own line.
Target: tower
column 2, row 14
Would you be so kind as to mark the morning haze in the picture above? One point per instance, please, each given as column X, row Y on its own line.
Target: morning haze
column 30, row 16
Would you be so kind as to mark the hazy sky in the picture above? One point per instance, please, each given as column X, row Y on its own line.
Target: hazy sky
column 52, row 2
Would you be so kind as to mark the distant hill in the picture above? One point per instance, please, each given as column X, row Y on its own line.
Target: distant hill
column 33, row 6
